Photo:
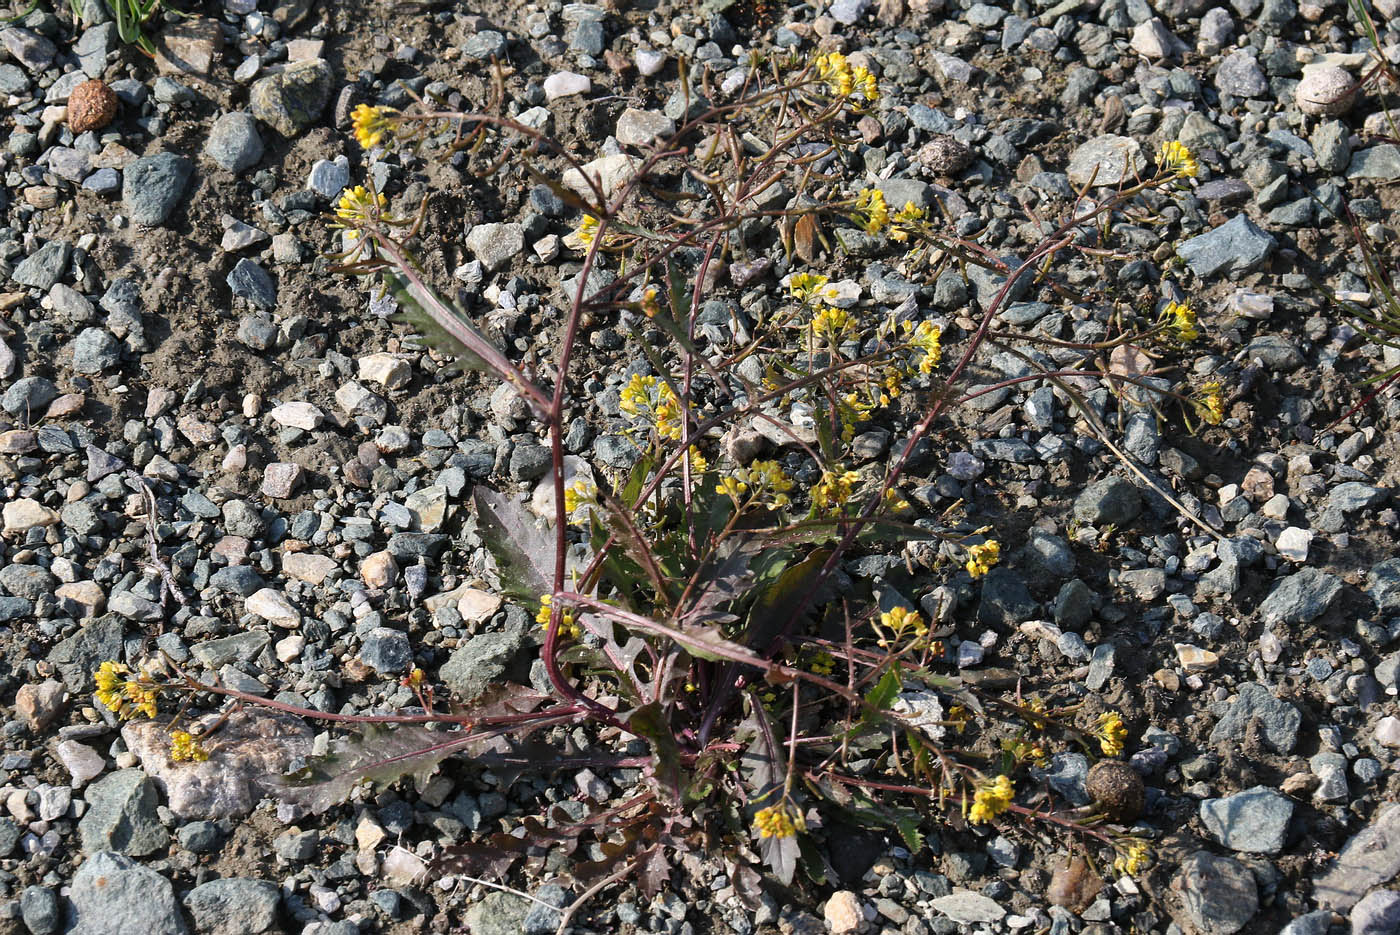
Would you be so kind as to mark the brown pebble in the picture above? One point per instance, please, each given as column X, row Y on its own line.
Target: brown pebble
column 1117, row 789
column 91, row 106
column 1073, row 885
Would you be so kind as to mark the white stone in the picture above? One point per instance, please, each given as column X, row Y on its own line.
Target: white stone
column 477, row 606
column 379, row 570
column 298, row 416
column 495, row 245
column 966, row 907
column 1388, row 731
column 566, row 84
column 1293, row 544
column 402, row 867
column 642, row 127
column 308, row 566
column 353, row 395
column 610, row 172
column 1153, row 40
column 1195, row 659
column 648, row 61
column 288, row 649
column 429, row 508
column 273, row 607
column 368, row 834
column 82, row 762
column 87, row 596
column 1326, row 90
column 24, row 514
column 1107, row 160
column 843, row 913
column 387, row 370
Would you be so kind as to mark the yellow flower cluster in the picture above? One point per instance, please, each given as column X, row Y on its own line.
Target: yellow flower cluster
column 579, row 493
column 1212, row 403
column 1112, row 734
column 779, row 821
column 567, row 627
column 809, row 287
column 823, row 664
column 905, row 221
column 373, row 125
column 842, row 80
column 1175, row 158
column 185, row 748
column 991, row 799
column 928, row 338
column 652, row 400
column 982, row 557
column 875, row 214
column 896, row 624
column 831, row 323
column 587, row 229
column 762, row 482
column 1181, row 317
column 359, row 204
column 125, row 696
column 834, row 489
column 1135, row 860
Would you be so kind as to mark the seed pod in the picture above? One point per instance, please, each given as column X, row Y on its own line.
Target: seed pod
column 91, row 106
column 1117, row 789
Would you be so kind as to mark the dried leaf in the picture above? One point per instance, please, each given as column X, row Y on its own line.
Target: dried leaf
column 486, row 860
column 805, row 236
column 653, row 871
column 524, row 551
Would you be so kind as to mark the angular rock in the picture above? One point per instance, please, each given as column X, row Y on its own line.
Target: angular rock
column 234, row 143
column 121, row 815
column 1301, row 597
column 1113, row 500
column 234, row 906
column 495, row 245
column 1238, row 246
column 1254, row 821
column 294, row 99
column 1371, row 858
column 1107, row 160
column 1218, row 894
column 153, row 185
column 113, row 895
column 1278, row 719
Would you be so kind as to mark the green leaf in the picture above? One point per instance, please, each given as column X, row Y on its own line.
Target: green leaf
column 649, row 722
column 435, row 332
column 883, row 694
column 770, row 611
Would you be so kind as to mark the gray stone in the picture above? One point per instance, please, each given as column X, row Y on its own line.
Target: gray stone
column 1112, row 500
column 1371, row 858
column 234, row 143
column 480, row 661
column 1326, row 90
column 1351, row 495
column 1006, row 601
column 328, row 178
column 1314, row 923
column 80, row 654
column 1383, row 586
column 1239, row 75
column 1254, row 821
column 95, row 350
column 1219, row 894
column 495, row 245
column 1238, row 246
column 1331, row 143
column 1375, row 162
column 1278, row 719
column 847, row 12
column 234, row 906
column 387, row 651
column 1275, row 352
column 1377, row 914
column 44, row 267
column 1300, row 597
column 28, row 48
column 1047, row 554
column 250, row 281
column 200, row 837
column 294, row 99
column 1106, row 160
column 121, row 815
column 541, row 920
column 1073, row 605
column 38, row 906
column 235, row 648
column 28, row 397
column 113, row 895
column 1066, row 774
column 153, row 185
column 496, row 914
column 28, row 581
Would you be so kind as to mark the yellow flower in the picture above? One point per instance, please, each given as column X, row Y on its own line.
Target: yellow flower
column 1175, row 158
column 991, row 799
column 649, row 399
column 1134, row 860
column 651, row 306
column 779, row 821
column 185, row 748
column 1112, row 734
column 698, row 464
column 834, row 490
column 902, row 620
column 567, row 627
column 1182, row 319
column 864, row 83
column 981, row 558
column 125, row 696
column 927, row 337
column 870, row 204
column 835, row 71
column 109, row 680
column 804, row 286
column 372, row 125
column 579, row 493
column 731, row 487
column 587, row 229
column 1212, row 403
column 905, row 221
column 359, row 204
column 823, row 664
column 830, row 323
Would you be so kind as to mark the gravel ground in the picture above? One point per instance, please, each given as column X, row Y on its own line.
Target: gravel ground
column 168, row 323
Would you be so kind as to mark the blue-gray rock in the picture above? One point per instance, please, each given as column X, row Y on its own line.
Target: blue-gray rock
column 1066, row 774
column 1353, row 495
column 529, row 461
column 121, row 816
column 496, row 914
column 27, row 581
column 1239, row 75
column 1369, row 859
column 1073, row 605
column 1278, row 719
column 1254, row 821
column 234, row 143
column 1300, row 597
column 113, row 895
column 14, row 81
column 45, row 266
column 480, row 661
column 95, row 350
column 1047, row 555
column 1375, row 162
column 200, row 837
column 1377, row 914
column 38, row 907
column 1006, row 601
column 28, row 397
column 292, row 100
column 28, row 48
column 1112, row 500
column 1238, row 246
column 847, row 12
column 1219, row 894
column 1275, row 352
column 1314, row 923
column 1100, row 666
column 103, row 181
column 1383, row 586
column 234, row 906
column 153, row 185
column 541, row 920
column 237, row 579
column 9, row 836
column 248, row 280
column 328, row 178
column 79, row 655
column 387, row 651
column 1331, row 143
column 234, row 648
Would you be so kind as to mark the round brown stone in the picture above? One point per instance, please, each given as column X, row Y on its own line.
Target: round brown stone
column 91, row 106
